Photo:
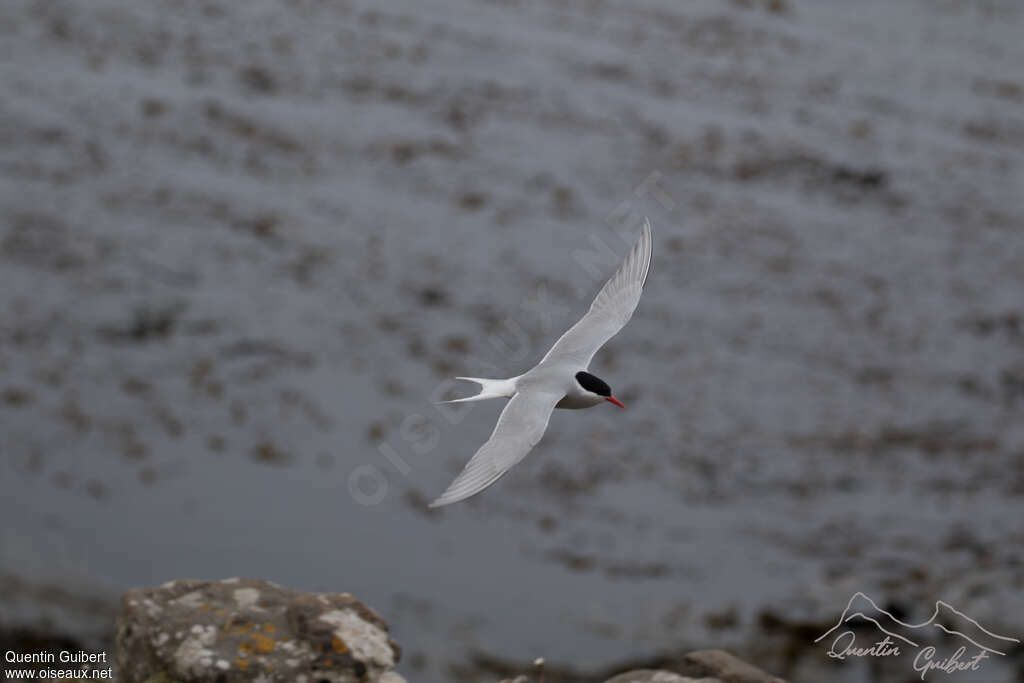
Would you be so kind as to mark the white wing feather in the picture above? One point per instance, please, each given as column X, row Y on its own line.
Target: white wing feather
column 520, row 427
column 612, row 308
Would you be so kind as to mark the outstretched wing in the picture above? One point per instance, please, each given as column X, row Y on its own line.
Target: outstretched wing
column 519, row 428
column 612, row 308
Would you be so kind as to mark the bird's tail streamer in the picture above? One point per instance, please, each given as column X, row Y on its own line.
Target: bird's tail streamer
column 489, row 388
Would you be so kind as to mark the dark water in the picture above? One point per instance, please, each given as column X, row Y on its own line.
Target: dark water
column 243, row 247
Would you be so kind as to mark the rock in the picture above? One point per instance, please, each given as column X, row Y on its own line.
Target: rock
column 239, row 630
column 723, row 666
column 651, row 676
column 701, row 666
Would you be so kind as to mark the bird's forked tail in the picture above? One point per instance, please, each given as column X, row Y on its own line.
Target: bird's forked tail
column 489, row 388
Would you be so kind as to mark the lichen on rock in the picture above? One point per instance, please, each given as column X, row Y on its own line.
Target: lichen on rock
column 239, row 630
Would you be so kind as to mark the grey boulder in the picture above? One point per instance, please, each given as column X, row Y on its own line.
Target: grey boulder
column 240, row 630
column 702, row 666
column 724, row 666
column 652, row 676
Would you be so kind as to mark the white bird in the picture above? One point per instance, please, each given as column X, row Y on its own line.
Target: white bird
column 560, row 380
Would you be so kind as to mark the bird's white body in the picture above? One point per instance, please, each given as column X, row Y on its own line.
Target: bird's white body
column 575, row 398
column 560, row 380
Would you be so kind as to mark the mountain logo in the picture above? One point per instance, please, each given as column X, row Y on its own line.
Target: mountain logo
column 899, row 637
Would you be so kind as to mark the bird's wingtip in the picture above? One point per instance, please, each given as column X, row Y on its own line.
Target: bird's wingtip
column 447, row 498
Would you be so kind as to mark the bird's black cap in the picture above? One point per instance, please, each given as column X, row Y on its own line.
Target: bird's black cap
column 593, row 384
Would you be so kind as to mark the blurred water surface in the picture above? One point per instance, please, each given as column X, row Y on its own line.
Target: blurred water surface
column 242, row 245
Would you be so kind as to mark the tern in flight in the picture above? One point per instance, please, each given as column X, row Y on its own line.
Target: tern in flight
column 560, row 380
